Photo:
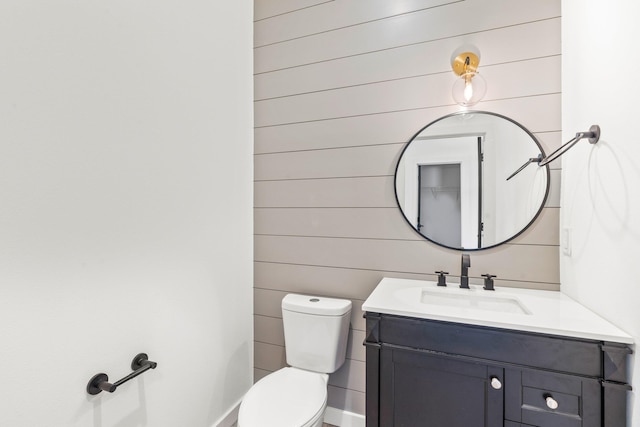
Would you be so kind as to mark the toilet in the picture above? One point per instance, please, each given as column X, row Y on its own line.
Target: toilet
column 315, row 335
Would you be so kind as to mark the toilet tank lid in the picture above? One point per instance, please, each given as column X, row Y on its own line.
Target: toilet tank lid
column 316, row 305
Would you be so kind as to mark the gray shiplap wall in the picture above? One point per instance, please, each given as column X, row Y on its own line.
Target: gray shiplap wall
column 340, row 87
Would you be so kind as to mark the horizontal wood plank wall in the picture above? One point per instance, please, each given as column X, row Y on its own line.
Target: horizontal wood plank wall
column 340, row 87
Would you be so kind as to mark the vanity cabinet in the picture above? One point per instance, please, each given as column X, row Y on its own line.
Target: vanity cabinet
column 424, row 372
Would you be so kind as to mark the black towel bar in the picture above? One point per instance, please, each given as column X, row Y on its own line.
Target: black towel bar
column 593, row 135
column 100, row 382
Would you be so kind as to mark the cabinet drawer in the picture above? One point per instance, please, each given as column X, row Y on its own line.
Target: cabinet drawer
column 546, row 399
column 548, row 407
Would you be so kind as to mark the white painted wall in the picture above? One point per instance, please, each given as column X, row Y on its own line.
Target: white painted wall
column 125, row 210
column 600, row 194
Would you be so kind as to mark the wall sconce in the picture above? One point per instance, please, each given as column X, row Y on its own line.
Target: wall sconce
column 470, row 87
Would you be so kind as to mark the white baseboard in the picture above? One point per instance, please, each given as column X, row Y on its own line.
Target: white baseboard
column 230, row 418
column 342, row 418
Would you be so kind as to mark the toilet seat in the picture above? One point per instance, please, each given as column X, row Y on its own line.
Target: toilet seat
column 289, row 397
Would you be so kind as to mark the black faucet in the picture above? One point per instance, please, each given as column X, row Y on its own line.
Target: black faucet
column 464, row 273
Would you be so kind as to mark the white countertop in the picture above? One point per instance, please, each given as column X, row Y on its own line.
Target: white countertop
column 547, row 312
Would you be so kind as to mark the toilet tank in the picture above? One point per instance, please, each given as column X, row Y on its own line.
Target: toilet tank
column 315, row 331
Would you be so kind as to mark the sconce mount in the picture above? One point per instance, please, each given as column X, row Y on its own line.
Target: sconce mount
column 470, row 87
column 466, row 62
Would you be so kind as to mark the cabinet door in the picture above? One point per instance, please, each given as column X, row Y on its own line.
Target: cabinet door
column 418, row 388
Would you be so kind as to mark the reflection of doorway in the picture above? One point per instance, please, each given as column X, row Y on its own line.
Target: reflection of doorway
column 439, row 207
column 450, row 196
column 462, row 150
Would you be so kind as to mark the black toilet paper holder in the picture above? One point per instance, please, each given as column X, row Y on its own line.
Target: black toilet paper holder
column 100, row 382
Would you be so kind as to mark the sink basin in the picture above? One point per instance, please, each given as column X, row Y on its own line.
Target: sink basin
column 473, row 301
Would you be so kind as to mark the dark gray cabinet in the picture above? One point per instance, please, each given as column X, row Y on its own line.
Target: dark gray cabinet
column 449, row 392
column 439, row 374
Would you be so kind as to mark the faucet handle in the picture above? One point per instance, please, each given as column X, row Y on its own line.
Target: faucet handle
column 442, row 278
column 488, row 281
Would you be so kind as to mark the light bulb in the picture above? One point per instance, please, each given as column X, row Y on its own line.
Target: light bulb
column 468, row 90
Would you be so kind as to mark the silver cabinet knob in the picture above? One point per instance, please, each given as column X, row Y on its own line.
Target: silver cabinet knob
column 551, row 402
column 495, row 383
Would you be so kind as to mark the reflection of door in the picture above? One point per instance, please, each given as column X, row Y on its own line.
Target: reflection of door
column 439, row 208
column 461, row 150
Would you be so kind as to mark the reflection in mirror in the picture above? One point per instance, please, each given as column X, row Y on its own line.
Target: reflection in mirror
column 451, row 180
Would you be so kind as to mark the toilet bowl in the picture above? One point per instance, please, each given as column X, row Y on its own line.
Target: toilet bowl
column 286, row 398
column 315, row 333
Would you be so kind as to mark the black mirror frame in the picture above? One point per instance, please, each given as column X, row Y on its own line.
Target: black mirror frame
column 459, row 113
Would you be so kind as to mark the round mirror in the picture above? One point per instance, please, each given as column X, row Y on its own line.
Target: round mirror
column 455, row 181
